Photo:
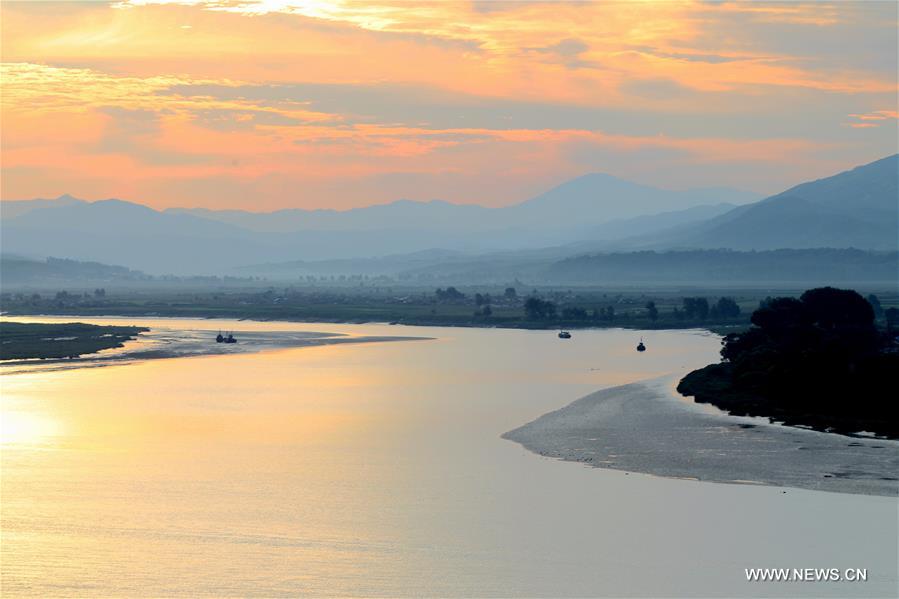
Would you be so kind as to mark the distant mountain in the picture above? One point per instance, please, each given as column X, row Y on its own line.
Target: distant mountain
column 611, row 234
column 126, row 233
column 379, row 265
column 402, row 214
column 857, row 208
column 600, row 198
column 584, row 202
column 785, row 266
column 14, row 208
column 196, row 241
column 55, row 271
column 601, row 238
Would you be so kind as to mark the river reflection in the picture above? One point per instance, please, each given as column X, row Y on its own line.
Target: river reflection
column 373, row 469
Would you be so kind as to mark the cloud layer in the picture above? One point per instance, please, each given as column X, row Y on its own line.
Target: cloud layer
column 264, row 104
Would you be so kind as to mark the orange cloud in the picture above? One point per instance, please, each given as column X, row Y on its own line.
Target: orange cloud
column 874, row 119
column 201, row 101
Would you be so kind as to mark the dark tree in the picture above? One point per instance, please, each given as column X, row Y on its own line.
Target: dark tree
column 696, row 307
column 781, row 314
column 652, row 311
column 817, row 360
column 892, row 316
column 727, row 308
column 510, row 293
column 538, row 309
column 831, row 308
column 574, row 313
column 450, row 294
column 875, row 305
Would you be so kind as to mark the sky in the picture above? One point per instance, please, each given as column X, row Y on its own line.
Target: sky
column 268, row 104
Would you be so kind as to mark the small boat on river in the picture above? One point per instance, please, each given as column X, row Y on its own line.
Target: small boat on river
column 225, row 339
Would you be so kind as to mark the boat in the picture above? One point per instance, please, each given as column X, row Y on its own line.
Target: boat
column 641, row 346
column 230, row 338
column 219, row 338
column 564, row 335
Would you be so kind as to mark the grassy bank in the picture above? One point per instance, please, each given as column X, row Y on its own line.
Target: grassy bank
column 534, row 308
column 581, row 309
column 20, row 341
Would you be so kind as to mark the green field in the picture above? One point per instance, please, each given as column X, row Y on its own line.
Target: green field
column 19, row 341
column 573, row 307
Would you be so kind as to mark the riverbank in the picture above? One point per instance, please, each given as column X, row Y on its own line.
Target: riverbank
column 715, row 385
column 453, row 320
column 167, row 340
column 22, row 341
column 646, row 427
column 483, row 308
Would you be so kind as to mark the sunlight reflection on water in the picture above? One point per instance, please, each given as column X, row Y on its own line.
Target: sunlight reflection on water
column 376, row 469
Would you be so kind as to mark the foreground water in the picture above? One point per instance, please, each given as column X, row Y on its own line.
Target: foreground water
column 378, row 469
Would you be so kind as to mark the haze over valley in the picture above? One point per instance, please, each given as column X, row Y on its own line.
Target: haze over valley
column 591, row 215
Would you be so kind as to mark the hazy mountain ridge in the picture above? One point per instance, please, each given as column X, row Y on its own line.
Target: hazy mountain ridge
column 435, row 214
column 16, row 270
column 855, row 208
column 783, row 265
column 592, row 199
column 576, row 198
column 189, row 241
column 14, row 208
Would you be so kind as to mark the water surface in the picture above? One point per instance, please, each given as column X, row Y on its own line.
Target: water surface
column 378, row 469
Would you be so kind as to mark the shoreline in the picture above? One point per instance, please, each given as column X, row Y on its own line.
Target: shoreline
column 65, row 340
column 647, row 427
column 524, row 325
column 169, row 343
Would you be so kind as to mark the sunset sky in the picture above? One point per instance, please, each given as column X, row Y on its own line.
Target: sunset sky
column 267, row 104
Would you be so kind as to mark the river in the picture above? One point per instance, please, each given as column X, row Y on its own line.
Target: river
column 377, row 469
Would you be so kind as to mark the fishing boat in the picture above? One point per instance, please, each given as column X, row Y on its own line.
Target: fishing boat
column 220, row 338
column 564, row 335
column 641, row 346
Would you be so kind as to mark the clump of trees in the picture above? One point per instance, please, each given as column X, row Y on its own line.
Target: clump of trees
column 696, row 308
column 450, row 294
column 693, row 310
column 699, row 309
column 574, row 313
column 818, row 360
column 726, row 307
column 538, row 309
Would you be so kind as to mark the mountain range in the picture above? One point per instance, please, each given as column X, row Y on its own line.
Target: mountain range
column 857, row 208
column 591, row 214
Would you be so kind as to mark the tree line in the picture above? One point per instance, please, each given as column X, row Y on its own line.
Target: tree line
column 818, row 360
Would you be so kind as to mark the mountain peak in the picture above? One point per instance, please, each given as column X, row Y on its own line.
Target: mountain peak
column 853, row 208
